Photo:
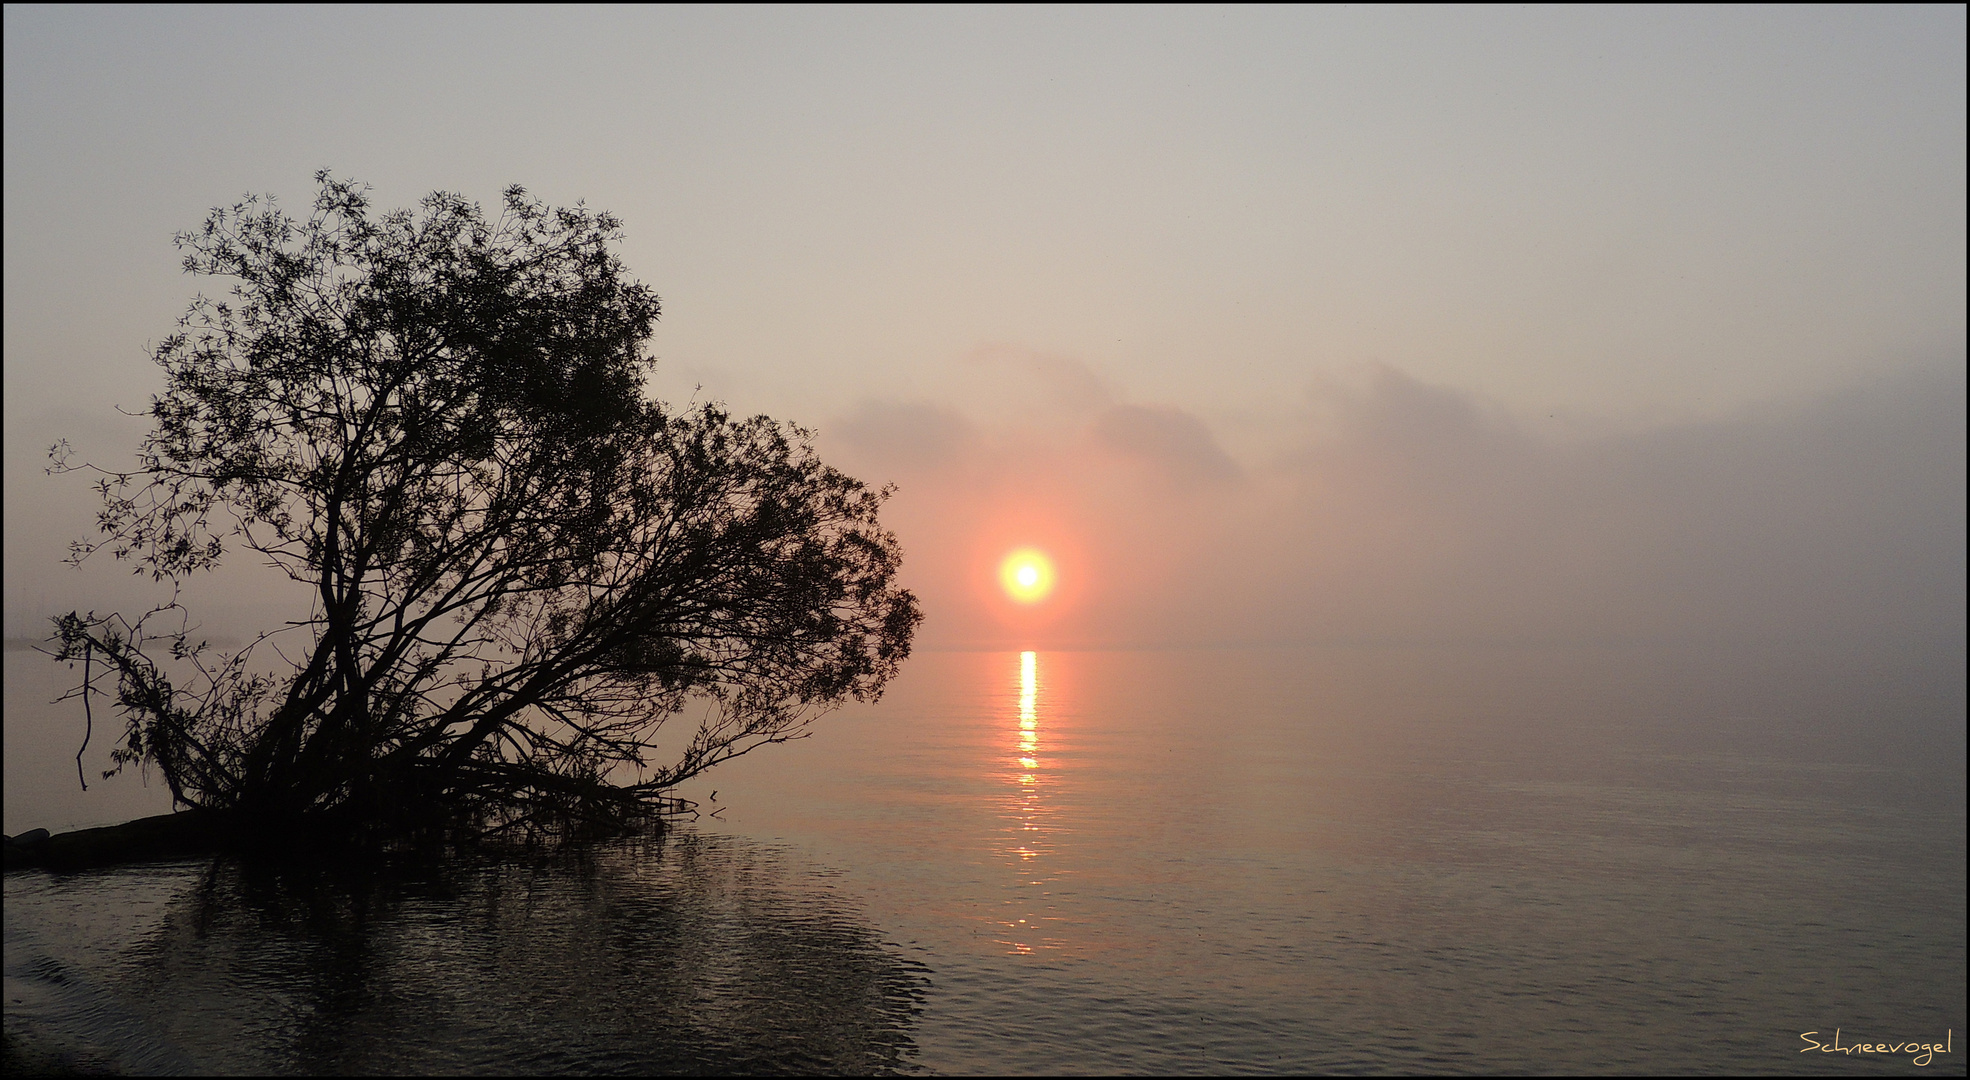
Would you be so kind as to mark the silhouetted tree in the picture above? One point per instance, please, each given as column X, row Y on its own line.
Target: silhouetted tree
column 526, row 575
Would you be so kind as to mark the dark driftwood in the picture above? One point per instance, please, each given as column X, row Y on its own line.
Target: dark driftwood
column 166, row 836
column 329, row 837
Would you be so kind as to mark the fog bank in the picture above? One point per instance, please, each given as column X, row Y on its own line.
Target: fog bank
column 1405, row 512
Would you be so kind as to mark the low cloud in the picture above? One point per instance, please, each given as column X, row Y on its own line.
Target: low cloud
column 1168, row 440
column 1420, row 513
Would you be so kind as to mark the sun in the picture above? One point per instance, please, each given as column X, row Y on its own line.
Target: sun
column 1027, row 575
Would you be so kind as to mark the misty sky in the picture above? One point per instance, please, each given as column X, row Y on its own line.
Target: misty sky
column 1272, row 324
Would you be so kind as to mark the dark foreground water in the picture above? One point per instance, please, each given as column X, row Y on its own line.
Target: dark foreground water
column 701, row 954
column 1341, row 860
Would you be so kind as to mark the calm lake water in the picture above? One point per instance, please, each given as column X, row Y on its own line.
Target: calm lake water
column 1353, row 860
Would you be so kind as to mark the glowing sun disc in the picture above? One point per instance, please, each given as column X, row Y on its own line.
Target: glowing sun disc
column 1027, row 575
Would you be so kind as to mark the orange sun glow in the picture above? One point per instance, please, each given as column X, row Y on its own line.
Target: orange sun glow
column 1027, row 575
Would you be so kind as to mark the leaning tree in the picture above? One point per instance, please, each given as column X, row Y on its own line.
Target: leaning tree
column 536, row 593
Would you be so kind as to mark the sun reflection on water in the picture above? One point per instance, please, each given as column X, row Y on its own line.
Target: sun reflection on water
column 1029, row 754
column 1027, row 804
column 1029, row 722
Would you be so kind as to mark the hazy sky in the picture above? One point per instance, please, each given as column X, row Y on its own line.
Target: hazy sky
column 1276, row 322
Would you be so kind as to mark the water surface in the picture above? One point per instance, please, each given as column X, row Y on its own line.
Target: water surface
column 1362, row 860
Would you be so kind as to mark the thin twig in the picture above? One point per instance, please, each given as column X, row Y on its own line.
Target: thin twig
column 88, row 718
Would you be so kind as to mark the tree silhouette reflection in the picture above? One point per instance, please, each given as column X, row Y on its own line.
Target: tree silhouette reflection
column 693, row 954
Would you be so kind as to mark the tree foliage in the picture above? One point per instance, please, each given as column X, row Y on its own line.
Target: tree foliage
column 534, row 589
